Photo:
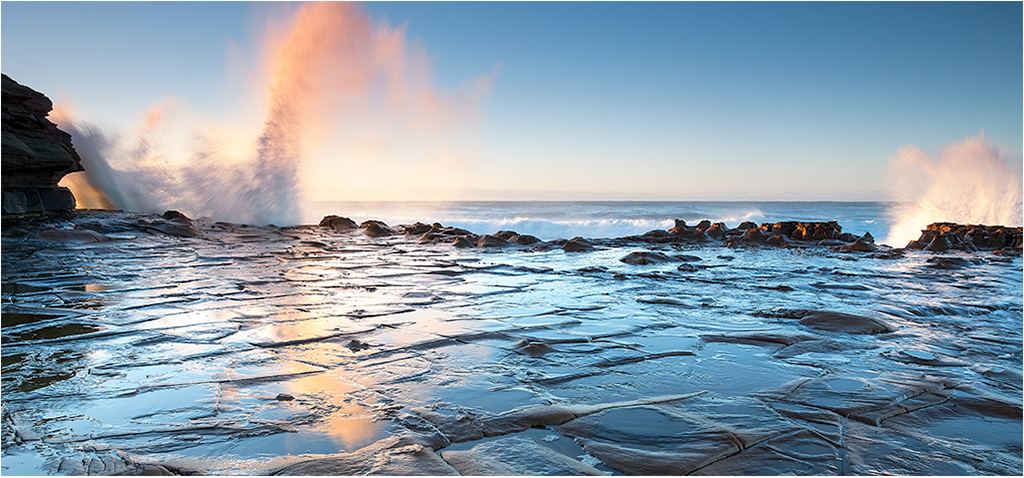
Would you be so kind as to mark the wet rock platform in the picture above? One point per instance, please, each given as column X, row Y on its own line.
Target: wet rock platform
column 147, row 344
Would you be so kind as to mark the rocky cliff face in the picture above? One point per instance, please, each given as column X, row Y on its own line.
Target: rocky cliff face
column 35, row 154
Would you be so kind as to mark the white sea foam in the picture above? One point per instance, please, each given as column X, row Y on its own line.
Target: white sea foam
column 971, row 182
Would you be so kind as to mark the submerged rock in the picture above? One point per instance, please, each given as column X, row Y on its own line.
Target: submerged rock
column 846, row 323
column 644, row 258
column 515, row 456
column 390, row 456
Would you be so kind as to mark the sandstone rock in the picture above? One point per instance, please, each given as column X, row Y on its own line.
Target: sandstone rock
column 716, row 231
column 846, row 323
column 942, row 236
column 515, row 456
column 745, row 225
column 338, row 223
column 865, row 243
column 73, row 236
column 644, row 258
column 35, row 154
column 175, row 224
column 753, row 235
column 524, row 239
column 390, row 456
column 491, row 241
column 577, row 244
column 374, row 228
column 461, row 242
column 939, row 244
column 777, row 240
column 413, row 229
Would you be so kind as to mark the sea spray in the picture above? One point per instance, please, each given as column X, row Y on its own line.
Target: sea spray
column 971, row 182
column 330, row 72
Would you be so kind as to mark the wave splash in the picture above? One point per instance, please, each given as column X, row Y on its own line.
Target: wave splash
column 330, row 67
column 971, row 182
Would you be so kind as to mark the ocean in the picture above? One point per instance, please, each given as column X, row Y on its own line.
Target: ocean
column 550, row 220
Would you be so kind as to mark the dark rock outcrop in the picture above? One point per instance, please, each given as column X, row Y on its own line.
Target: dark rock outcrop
column 36, row 155
column 338, row 223
column 577, row 244
column 376, row 229
column 943, row 236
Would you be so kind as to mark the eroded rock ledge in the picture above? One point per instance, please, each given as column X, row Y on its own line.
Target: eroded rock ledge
column 786, row 234
column 36, row 155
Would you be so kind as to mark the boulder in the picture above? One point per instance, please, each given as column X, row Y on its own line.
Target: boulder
column 777, row 240
column 643, row 258
column 491, row 241
column 865, row 243
column 376, row 229
column 753, row 235
column 577, row 244
column 35, row 153
column 338, row 223
column 461, row 242
column 524, row 239
column 716, row 231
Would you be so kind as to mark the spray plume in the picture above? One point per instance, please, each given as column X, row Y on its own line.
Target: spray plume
column 329, row 68
column 971, row 183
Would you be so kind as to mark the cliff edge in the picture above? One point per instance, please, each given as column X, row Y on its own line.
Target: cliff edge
column 35, row 154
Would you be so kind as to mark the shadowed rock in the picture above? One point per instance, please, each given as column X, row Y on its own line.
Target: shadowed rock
column 846, row 323
column 461, row 242
column 376, row 229
column 644, row 258
column 865, row 243
column 338, row 223
column 491, row 241
column 35, row 154
column 577, row 244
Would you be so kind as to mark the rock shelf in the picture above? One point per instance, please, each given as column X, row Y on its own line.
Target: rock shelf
column 162, row 344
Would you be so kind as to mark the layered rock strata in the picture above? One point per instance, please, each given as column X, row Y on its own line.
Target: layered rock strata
column 36, row 155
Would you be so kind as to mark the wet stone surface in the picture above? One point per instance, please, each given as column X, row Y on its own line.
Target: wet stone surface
column 325, row 350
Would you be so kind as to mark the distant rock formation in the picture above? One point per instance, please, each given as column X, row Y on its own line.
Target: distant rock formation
column 36, row 155
column 942, row 236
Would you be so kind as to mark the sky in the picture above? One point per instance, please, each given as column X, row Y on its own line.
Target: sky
column 537, row 100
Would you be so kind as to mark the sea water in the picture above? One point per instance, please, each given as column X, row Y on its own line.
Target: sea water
column 550, row 220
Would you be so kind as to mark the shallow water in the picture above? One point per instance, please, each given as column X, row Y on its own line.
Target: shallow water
column 251, row 348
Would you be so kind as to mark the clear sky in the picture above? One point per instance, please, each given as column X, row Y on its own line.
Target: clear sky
column 577, row 100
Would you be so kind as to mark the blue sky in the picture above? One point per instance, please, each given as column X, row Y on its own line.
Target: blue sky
column 717, row 100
